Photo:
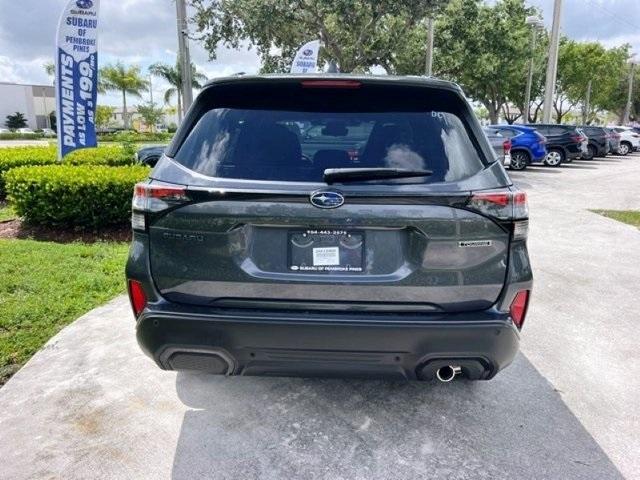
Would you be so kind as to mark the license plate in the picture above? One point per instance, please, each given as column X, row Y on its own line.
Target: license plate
column 326, row 250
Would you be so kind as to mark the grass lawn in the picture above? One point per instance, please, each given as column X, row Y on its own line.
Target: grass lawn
column 632, row 217
column 46, row 285
column 6, row 212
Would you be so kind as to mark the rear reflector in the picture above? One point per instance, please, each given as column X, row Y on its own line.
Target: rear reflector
column 521, row 230
column 138, row 221
column 518, row 309
column 348, row 84
column 507, row 146
column 137, row 297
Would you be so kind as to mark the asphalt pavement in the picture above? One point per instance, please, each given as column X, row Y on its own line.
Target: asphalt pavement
column 91, row 405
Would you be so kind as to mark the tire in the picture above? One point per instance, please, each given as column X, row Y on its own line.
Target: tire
column 554, row 158
column 624, row 148
column 519, row 160
column 592, row 152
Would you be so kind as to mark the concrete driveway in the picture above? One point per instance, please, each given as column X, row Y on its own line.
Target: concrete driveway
column 90, row 405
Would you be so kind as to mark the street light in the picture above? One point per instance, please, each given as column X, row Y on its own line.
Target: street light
column 429, row 58
column 536, row 24
column 552, row 63
column 627, row 107
column 183, row 55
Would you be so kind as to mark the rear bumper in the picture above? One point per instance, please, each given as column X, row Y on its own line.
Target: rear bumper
column 314, row 344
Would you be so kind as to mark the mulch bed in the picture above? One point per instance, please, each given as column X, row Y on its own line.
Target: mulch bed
column 18, row 229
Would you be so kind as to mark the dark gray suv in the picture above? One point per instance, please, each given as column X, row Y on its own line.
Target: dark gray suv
column 330, row 225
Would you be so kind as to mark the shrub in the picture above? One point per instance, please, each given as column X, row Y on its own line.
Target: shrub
column 113, row 155
column 135, row 137
column 66, row 195
column 20, row 136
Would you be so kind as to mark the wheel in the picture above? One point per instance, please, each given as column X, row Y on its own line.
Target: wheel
column 519, row 160
column 554, row 158
column 591, row 152
column 624, row 148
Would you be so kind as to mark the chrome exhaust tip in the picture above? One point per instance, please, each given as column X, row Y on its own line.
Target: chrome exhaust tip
column 448, row 372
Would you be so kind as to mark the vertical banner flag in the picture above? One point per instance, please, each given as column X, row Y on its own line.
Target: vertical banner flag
column 77, row 75
column 306, row 60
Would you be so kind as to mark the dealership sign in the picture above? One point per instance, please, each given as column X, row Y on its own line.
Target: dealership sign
column 306, row 60
column 77, row 75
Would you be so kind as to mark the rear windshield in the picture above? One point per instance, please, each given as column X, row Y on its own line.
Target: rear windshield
column 298, row 146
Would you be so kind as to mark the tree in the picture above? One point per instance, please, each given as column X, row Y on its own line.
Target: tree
column 485, row 48
column 173, row 75
column 357, row 35
column 15, row 121
column 126, row 80
column 151, row 114
column 581, row 63
column 49, row 68
column 104, row 115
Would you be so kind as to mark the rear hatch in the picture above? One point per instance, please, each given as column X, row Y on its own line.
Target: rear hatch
column 240, row 214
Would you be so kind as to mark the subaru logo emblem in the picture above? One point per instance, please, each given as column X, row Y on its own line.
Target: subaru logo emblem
column 84, row 3
column 307, row 52
column 326, row 199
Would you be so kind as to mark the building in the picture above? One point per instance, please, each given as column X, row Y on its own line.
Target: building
column 35, row 102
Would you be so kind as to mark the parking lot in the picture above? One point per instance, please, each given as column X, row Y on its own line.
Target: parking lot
column 91, row 405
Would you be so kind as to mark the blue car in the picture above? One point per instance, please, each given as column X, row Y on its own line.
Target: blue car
column 527, row 145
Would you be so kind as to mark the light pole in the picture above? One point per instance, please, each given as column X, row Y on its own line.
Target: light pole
column 552, row 65
column 429, row 59
column 536, row 23
column 183, row 55
column 627, row 108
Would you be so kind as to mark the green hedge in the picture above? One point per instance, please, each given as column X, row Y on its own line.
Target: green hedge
column 21, row 136
column 135, row 137
column 66, row 195
column 12, row 157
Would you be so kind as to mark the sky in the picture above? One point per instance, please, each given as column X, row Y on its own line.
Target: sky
column 143, row 32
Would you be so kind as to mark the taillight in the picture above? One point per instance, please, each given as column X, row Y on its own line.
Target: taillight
column 149, row 197
column 137, row 297
column 345, row 84
column 501, row 205
column 508, row 205
column 518, row 308
column 577, row 138
column 507, row 146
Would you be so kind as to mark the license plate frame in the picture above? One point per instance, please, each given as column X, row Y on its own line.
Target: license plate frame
column 314, row 250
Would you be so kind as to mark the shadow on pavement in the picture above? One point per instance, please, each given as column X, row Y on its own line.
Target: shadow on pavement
column 515, row 426
column 541, row 169
column 582, row 166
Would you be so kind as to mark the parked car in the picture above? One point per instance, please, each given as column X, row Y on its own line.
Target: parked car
column 614, row 140
column 501, row 145
column 629, row 139
column 25, row 130
column 527, row 145
column 150, row 154
column 564, row 143
column 47, row 132
column 250, row 257
column 5, row 130
column 598, row 141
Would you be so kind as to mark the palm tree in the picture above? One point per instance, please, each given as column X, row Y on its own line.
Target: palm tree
column 50, row 68
column 173, row 75
column 126, row 80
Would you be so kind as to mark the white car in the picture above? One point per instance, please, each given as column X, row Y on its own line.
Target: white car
column 629, row 139
column 25, row 130
column 47, row 132
column 5, row 130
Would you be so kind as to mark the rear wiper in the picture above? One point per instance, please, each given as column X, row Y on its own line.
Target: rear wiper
column 332, row 175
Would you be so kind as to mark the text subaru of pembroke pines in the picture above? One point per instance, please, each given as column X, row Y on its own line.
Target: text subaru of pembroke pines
column 330, row 225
